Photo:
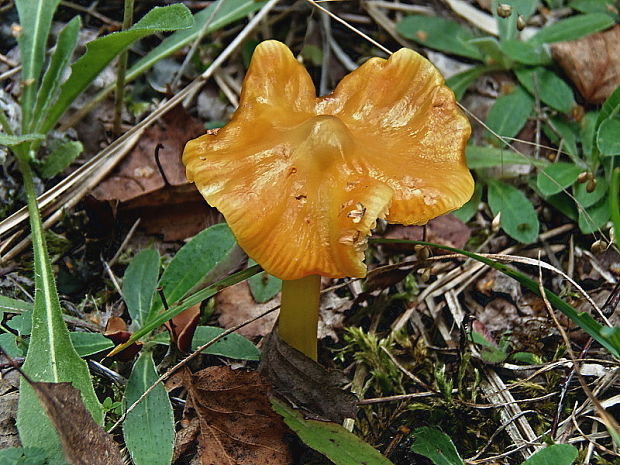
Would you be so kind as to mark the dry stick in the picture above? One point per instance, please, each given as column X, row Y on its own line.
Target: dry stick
column 326, row 30
column 530, row 261
column 608, row 308
column 499, row 430
column 121, row 247
column 120, row 72
column 90, row 11
column 192, row 50
column 86, row 170
column 73, row 197
column 348, row 26
column 608, row 419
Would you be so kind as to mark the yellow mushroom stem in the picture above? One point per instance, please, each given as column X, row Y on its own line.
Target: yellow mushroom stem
column 299, row 314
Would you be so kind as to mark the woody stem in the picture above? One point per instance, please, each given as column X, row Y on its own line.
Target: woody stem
column 299, row 314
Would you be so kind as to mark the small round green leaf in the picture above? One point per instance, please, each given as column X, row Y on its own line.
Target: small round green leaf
column 518, row 217
column 556, row 177
column 608, row 137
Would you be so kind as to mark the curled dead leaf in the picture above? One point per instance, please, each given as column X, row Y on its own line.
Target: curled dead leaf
column 592, row 63
column 305, row 383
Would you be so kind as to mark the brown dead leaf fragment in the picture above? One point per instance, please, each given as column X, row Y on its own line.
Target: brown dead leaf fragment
column 235, row 305
column 155, row 187
column 236, row 423
column 183, row 326
column 83, row 441
column 305, row 383
column 116, row 330
column 592, row 63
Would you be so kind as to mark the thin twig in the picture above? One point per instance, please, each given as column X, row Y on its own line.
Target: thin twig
column 121, row 70
column 608, row 419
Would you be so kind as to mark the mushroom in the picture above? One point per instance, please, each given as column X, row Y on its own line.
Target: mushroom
column 302, row 180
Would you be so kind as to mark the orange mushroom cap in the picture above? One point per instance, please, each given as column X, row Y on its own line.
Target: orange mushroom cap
column 302, row 180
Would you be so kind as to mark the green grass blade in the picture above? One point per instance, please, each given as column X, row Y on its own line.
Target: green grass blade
column 230, row 11
column 35, row 19
column 607, row 337
column 11, row 140
column 67, row 41
column 148, row 428
column 102, row 51
column 51, row 356
column 207, row 253
column 6, row 303
column 158, row 320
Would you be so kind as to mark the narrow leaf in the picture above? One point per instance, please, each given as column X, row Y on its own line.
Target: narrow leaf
column 440, row 34
column 159, row 319
column 436, row 446
column 489, row 157
column 556, row 177
column 51, row 356
column 233, row 346
column 101, row 51
column 608, row 137
column 139, row 284
column 594, row 217
column 587, row 199
column 35, row 19
column 573, row 28
column 57, row 161
column 525, row 52
column 550, row 88
column 90, row 343
column 510, row 112
column 11, row 140
column 330, row 439
column 228, row 12
column 7, row 303
column 557, row 454
column 518, row 217
column 588, row 6
column 194, row 262
column 47, row 93
column 561, row 131
column 149, row 428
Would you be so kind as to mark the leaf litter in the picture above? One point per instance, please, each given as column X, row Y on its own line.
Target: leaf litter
column 229, row 415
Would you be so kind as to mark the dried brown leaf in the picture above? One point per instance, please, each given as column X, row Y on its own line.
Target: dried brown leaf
column 116, row 330
column 159, row 193
column 83, row 441
column 305, row 383
column 237, row 424
column 592, row 63
column 235, row 305
column 183, row 326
